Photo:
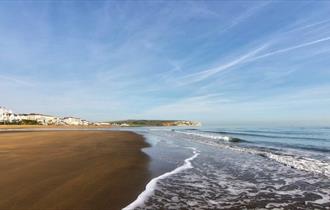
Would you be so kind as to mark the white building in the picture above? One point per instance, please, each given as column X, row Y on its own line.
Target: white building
column 40, row 118
column 73, row 121
column 102, row 123
column 85, row 122
column 187, row 123
column 6, row 115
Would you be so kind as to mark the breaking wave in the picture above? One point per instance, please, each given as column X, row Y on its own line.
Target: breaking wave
column 211, row 136
column 293, row 160
column 269, row 136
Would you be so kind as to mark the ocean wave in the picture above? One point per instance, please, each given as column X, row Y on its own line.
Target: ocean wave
column 267, row 136
column 151, row 186
column 308, row 146
column 293, row 160
column 215, row 137
column 288, row 132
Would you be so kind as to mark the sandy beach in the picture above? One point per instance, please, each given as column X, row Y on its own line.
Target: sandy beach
column 71, row 169
column 68, row 127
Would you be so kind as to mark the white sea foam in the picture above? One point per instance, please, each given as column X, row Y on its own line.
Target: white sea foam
column 151, row 186
column 301, row 163
column 211, row 136
column 294, row 161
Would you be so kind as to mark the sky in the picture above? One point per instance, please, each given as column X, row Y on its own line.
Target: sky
column 213, row 61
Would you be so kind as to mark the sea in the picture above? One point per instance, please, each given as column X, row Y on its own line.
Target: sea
column 236, row 168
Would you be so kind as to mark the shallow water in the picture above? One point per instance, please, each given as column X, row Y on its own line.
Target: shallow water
column 235, row 175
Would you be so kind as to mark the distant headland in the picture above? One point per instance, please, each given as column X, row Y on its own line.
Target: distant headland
column 138, row 123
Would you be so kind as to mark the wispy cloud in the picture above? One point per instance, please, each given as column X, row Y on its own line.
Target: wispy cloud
column 188, row 106
column 245, row 15
column 205, row 74
column 308, row 26
column 216, row 107
column 288, row 49
column 188, row 59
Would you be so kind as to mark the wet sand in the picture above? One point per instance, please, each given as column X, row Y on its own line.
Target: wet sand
column 68, row 170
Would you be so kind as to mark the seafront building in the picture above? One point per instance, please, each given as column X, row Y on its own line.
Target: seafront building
column 187, row 123
column 74, row 121
column 41, row 118
column 8, row 116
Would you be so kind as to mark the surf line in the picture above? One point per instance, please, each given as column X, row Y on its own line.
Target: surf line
column 151, row 186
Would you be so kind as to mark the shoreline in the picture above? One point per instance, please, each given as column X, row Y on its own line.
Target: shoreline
column 72, row 169
column 222, row 178
column 152, row 184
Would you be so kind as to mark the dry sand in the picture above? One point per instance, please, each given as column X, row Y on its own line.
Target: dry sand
column 4, row 127
column 71, row 170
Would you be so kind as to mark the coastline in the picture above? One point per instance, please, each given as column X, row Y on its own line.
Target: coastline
column 71, row 169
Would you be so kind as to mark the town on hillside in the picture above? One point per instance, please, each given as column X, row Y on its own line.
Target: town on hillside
column 7, row 116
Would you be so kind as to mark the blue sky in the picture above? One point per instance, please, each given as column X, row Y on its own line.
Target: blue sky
column 213, row 61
